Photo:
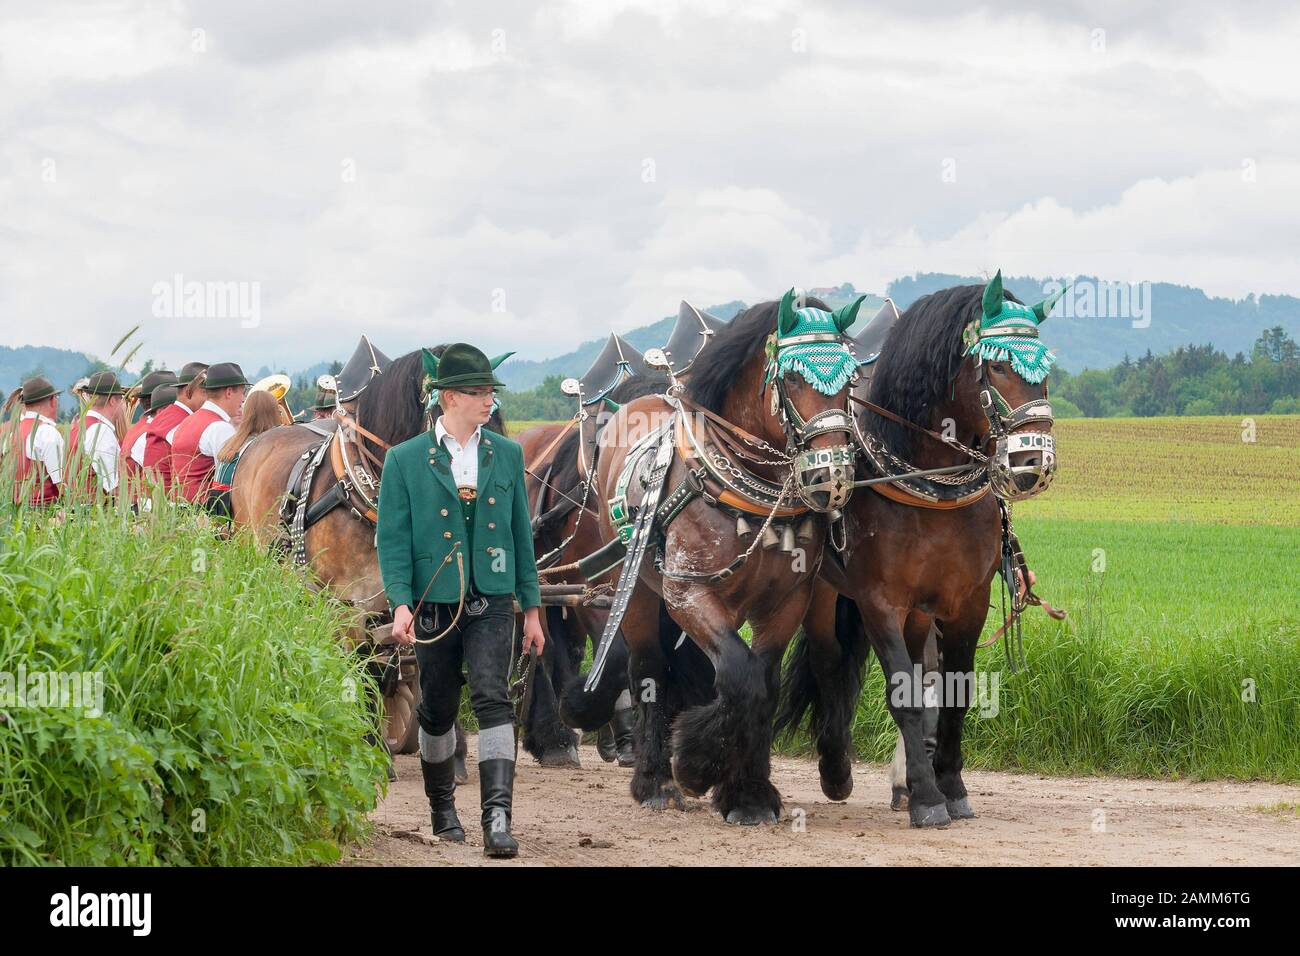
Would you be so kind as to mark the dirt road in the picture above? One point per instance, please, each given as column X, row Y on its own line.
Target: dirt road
column 585, row 817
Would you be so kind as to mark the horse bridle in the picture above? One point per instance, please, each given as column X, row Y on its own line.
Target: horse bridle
column 1007, row 440
column 838, row 460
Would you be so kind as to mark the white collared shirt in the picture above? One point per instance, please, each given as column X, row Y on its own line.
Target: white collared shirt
column 216, row 434
column 188, row 412
column 464, row 460
column 102, row 449
column 45, row 444
column 137, row 450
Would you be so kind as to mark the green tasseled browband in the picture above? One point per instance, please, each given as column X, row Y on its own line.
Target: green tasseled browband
column 1008, row 331
column 825, row 365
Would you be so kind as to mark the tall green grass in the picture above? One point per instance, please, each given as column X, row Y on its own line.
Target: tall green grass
column 1180, row 659
column 232, row 723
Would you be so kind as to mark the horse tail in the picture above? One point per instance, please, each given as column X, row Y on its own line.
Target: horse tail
column 831, row 698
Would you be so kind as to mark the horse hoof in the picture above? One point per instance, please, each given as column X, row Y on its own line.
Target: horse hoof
column 669, row 798
column 568, row 757
column 751, row 816
column 462, row 774
column 899, row 799
column 959, row 809
column 838, row 789
column 930, row 817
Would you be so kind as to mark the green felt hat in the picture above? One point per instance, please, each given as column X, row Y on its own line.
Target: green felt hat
column 38, row 389
column 461, row 366
column 224, row 375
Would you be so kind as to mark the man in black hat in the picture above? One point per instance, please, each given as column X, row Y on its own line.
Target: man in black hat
column 199, row 438
column 162, row 431
column 327, row 398
column 142, row 394
column 38, row 445
column 455, row 549
column 93, row 456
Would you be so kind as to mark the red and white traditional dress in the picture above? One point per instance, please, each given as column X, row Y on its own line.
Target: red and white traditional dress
column 38, row 460
column 158, row 443
column 100, row 448
column 194, row 451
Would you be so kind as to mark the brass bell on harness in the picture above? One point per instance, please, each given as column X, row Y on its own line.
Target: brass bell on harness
column 742, row 527
column 770, row 539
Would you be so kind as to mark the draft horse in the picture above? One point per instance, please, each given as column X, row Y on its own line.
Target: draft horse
column 946, row 392
column 758, row 436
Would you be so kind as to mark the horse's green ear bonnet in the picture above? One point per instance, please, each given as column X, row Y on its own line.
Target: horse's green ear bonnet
column 1008, row 331
column 811, row 341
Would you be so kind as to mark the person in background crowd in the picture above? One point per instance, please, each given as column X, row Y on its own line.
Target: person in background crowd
column 37, row 445
column 200, row 437
column 92, row 456
column 326, row 401
column 134, row 441
column 261, row 413
column 162, row 431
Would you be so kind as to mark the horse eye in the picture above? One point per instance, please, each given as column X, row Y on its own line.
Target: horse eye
column 999, row 368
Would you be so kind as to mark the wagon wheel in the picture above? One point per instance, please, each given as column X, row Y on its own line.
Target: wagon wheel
column 401, row 729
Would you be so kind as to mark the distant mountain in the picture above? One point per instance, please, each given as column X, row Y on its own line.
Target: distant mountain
column 1177, row 315
column 60, row 366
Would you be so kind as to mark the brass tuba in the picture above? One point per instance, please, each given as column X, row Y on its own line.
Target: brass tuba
column 278, row 386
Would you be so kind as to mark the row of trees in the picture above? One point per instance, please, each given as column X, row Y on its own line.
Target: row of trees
column 1193, row 380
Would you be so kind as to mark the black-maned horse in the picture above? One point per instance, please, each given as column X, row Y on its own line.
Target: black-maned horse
column 726, row 691
column 913, row 563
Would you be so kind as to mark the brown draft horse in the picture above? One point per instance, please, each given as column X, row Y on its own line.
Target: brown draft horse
column 340, row 547
column 909, row 566
column 568, row 523
column 726, row 691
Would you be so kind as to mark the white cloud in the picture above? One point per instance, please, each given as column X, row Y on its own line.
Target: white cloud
column 388, row 172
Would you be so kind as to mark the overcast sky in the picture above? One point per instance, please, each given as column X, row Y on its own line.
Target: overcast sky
column 530, row 175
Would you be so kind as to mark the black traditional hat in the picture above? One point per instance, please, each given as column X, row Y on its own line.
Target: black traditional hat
column 143, row 389
column 37, row 390
column 366, row 363
column 461, row 365
column 693, row 331
column 104, row 384
column 162, row 396
column 188, row 372
column 224, row 375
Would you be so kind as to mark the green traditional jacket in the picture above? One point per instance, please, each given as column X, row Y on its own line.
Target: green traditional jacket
column 420, row 521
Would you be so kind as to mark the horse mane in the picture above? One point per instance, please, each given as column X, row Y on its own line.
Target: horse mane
column 390, row 405
column 711, row 381
column 565, row 474
column 919, row 361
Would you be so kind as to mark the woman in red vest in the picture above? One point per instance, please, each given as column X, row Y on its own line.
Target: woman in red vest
column 37, row 446
column 199, row 438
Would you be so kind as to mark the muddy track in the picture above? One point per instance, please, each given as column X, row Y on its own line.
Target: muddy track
column 567, row 817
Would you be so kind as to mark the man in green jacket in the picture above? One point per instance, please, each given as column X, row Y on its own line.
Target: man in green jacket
column 455, row 549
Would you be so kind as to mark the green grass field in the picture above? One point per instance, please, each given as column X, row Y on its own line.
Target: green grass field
column 1175, row 546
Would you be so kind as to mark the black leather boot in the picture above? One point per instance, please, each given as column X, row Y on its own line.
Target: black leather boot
column 496, row 780
column 605, row 743
column 624, row 740
column 440, row 788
